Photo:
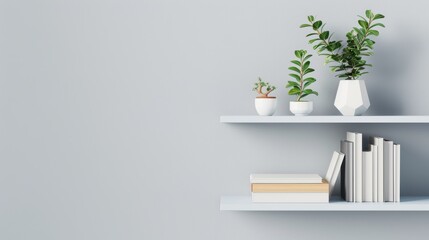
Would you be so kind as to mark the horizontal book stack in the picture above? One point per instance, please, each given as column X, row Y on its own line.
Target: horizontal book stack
column 289, row 188
column 372, row 175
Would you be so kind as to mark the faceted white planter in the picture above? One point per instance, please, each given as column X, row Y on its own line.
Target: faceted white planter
column 352, row 98
column 266, row 106
column 301, row 108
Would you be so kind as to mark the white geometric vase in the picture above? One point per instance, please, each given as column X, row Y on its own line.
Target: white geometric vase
column 352, row 98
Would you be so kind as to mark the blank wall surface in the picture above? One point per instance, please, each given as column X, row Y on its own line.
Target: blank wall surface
column 109, row 116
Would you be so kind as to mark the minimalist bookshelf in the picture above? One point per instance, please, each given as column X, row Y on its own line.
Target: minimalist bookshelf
column 244, row 203
column 324, row 119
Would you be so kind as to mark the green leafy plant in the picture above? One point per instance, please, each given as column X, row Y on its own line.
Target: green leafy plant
column 259, row 87
column 348, row 57
column 299, row 86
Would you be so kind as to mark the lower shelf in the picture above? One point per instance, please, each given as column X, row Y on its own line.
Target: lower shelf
column 244, row 203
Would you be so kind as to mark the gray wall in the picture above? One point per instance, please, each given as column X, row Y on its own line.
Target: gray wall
column 109, row 116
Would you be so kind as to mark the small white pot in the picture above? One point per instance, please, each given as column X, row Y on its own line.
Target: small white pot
column 266, row 106
column 301, row 108
column 352, row 98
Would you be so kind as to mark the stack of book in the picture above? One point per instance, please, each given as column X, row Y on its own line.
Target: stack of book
column 289, row 188
column 372, row 175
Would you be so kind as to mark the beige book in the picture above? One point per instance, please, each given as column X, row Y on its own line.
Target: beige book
column 290, row 187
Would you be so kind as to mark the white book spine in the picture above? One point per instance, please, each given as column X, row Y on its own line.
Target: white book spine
column 374, row 150
column 291, row 197
column 358, row 163
column 331, row 167
column 397, row 176
column 380, row 158
column 352, row 138
column 388, row 171
column 367, row 174
column 336, row 172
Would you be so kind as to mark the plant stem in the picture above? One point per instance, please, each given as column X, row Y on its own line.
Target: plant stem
column 301, row 78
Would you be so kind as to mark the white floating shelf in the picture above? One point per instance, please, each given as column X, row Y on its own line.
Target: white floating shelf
column 324, row 119
column 244, row 203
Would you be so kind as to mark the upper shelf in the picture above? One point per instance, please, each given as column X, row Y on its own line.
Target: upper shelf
column 324, row 119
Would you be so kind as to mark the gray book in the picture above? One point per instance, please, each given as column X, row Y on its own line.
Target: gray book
column 347, row 174
column 388, row 171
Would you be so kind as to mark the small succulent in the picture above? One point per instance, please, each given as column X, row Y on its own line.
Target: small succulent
column 300, row 83
column 259, row 87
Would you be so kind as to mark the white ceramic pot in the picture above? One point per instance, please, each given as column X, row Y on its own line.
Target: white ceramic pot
column 266, row 106
column 352, row 98
column 301, row 108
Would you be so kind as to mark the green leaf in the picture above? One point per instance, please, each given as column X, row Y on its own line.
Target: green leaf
column 294, row 91
column 310, row 18
column 296, row 62
column 378, row 16
column 309, row 70
column 306, row 65
column 313, row 40
column 363, row 24
column 298, row 54
column 317, row 25
column 307, row 57
column 369, row 42
column 307, row 84
column 291, row 84
column 373, row 32
column 311, row 34
column 324, row 35
column 377, row 25
column 310, row 79
column 358, row 31
column 368, row 13
column 305, row 25
column 295, row 69
column 302, row 96
column 295, row 76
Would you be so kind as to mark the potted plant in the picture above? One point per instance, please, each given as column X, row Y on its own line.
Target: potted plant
column 299, row 85
column 265, row 105
column 352, row 97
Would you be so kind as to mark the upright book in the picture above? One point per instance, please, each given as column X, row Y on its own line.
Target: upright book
column 379, row 142
column 347, row 171
column 367, row 174
column 374, row 150
column 397, row 175
column 356, row 138
column 388, row 171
